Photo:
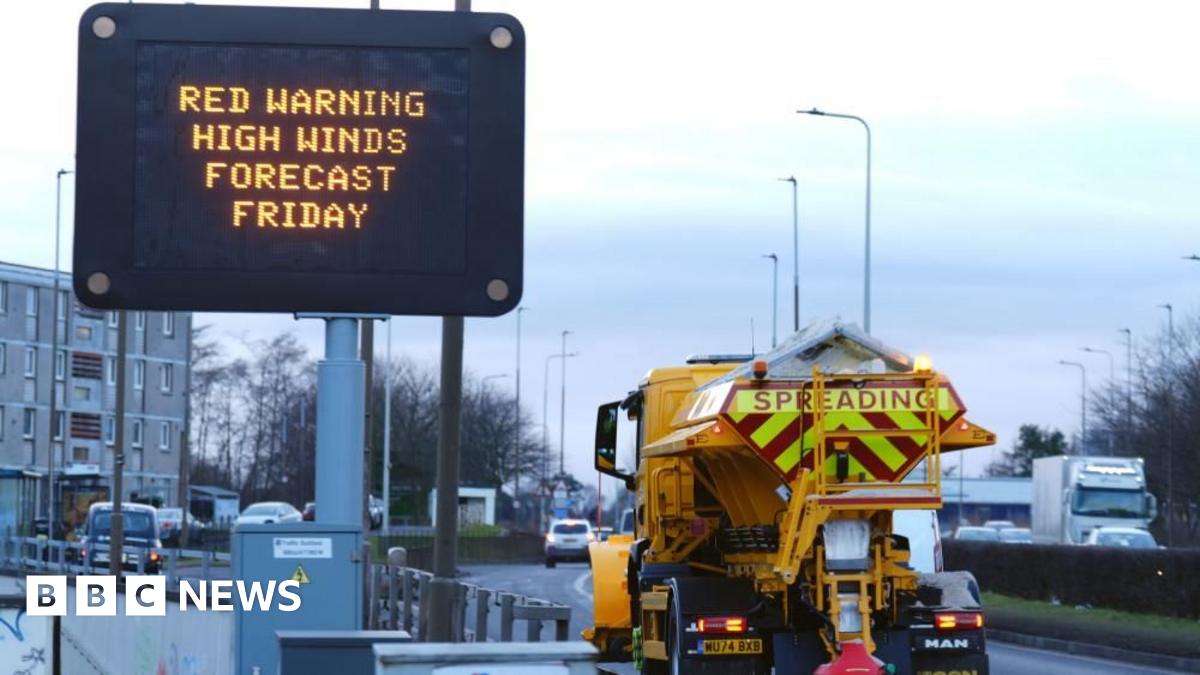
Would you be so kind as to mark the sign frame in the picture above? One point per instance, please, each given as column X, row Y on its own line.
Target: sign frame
column 105, row 276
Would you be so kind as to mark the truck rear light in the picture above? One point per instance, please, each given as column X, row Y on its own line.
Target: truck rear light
column 958, row 620
column 722, row 624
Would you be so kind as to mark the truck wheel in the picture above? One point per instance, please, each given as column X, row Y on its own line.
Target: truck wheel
column 550, row 562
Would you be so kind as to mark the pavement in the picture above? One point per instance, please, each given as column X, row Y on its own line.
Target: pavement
column 571, row 584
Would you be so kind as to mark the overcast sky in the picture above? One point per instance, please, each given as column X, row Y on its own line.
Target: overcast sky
column 1035, row 171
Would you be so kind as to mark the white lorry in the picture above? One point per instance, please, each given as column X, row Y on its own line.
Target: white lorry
column 1073, row 495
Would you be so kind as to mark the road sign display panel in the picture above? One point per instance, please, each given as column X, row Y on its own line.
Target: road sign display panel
column 263, row 159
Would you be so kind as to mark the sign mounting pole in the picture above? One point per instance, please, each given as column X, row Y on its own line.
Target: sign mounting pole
column 445, row 536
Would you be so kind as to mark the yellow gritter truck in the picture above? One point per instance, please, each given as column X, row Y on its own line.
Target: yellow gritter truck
column 765, row 492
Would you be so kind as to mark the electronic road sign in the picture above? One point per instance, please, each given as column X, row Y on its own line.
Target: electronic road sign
column 300, row 160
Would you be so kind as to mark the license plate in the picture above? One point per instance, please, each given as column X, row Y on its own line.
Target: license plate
column 748, row 646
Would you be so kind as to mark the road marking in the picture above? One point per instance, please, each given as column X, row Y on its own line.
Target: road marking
column 579, row 585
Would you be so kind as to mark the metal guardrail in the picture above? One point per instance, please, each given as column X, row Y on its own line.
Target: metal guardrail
column 395, row 590
column 33, row 555
column 396, row 593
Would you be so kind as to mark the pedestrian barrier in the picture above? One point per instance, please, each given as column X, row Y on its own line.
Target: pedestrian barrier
column 24, row 555
column 396, row 593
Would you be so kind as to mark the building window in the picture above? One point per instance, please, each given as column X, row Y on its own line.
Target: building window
column 31, row 362
column 164, row 436
column 79, row 454
column 60, row 424
column 3, row 358
column 110, row 370
column 169, row 324
column 31, row 298
column 3, row 297
column 139, row 320
column 83, row 394
column 110, row 431
column 63, row 299
column 83, row 333
column 30, row 423
column 166, row 377
column 136, row 434
column 112, row 319
column 60, row 365
column 3, row 423
column 139, row 374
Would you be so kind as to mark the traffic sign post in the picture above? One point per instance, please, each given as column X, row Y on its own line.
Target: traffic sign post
column 336, row 163
column 283, row 159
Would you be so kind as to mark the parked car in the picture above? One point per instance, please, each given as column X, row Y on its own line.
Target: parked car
column 269, row 512
column 568, row 540
column 1123, row 537
column 310, row 511
column 1016, row 535
column 169, row 522
column 140, row 531
column 967, row 533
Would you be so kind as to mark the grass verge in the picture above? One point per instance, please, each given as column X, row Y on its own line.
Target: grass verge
column 1115, row 628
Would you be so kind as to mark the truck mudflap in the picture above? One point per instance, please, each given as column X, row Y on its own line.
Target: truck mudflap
column 951, row 664
column 902, row 651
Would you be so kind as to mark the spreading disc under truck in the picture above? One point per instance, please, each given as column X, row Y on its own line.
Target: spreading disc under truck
column 763, row 522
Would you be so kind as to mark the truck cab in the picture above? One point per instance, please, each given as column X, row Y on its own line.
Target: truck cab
column 1074, row 495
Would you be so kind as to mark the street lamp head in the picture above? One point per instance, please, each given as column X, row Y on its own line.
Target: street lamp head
column 1191, row 257
column 789, row 179
column 772, row 256
column 814, row 111
column 63, row 172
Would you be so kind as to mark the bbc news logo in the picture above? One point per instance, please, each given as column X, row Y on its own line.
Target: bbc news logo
column 96, row 595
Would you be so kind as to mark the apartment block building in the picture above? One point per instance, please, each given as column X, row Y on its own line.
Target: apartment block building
column 84, row 373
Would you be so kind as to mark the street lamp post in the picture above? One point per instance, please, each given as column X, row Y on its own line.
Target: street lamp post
column 546, row 401
column 1112, row 369
column 795, row 255
column 562, row 410
column 1082, row 404
column 774, row 295
column 1112, row 377
column 1170, row 425
column 517, row 423
column 50, row 515
column 867, row 247
column 1128, row 387
column 545, row 422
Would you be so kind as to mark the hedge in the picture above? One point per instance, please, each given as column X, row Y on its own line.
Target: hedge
column 1158, row 581
column 473, row 548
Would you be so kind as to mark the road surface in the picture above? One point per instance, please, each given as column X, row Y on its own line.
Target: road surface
column 571, row 584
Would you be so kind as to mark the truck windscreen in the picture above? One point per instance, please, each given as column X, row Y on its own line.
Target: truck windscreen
column 1109, row 503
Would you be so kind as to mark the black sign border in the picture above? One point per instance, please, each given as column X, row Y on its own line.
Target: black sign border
column 105, row 167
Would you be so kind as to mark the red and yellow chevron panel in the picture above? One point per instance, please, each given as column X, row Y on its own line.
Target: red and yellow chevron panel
column 776, row 419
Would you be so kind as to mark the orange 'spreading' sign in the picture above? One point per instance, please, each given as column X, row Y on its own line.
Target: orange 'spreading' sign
column 777, row 422
column 866, row 399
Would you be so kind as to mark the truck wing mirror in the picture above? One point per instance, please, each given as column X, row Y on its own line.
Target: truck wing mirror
column 606, row 442
column 1152, row 506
